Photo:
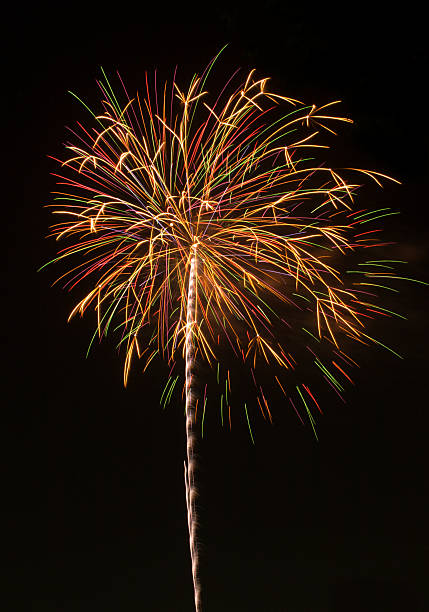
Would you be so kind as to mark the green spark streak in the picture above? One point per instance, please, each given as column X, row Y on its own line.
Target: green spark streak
column 328, row 374
column 83, row 104
column 318, row 207
column 375, row 264
column 170, row 393
column 387, row 261
column 361, row 272
column 248, row 423
column 302, row 297
column 371, row 212
column 217, row 375
column 378, row 217
column 381, row 286
column 310, row 416
column 165, row 389
column 112, row 97
column 265, row 304
column 312, row 335
column 171, row 383
column 204, row 80
column 83, row 248
column 319, row 246
column 383, row 345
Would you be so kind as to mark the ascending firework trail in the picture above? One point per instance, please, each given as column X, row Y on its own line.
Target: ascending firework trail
column 190, row 467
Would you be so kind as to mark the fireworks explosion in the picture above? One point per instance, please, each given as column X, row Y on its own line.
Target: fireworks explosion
column 203, row 224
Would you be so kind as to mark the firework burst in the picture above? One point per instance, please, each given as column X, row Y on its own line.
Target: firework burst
column 203, row 223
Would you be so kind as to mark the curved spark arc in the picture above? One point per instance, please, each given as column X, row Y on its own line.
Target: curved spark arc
column 190, row 467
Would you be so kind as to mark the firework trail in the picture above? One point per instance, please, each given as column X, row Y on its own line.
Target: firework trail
column 202, row 225
column 190, row 428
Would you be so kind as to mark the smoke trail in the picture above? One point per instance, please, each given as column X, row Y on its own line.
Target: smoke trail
column 190, row 467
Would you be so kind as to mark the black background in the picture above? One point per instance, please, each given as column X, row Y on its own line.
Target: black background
column 93, row 508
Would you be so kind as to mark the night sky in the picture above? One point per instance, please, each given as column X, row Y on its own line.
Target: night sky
column 93, row 509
